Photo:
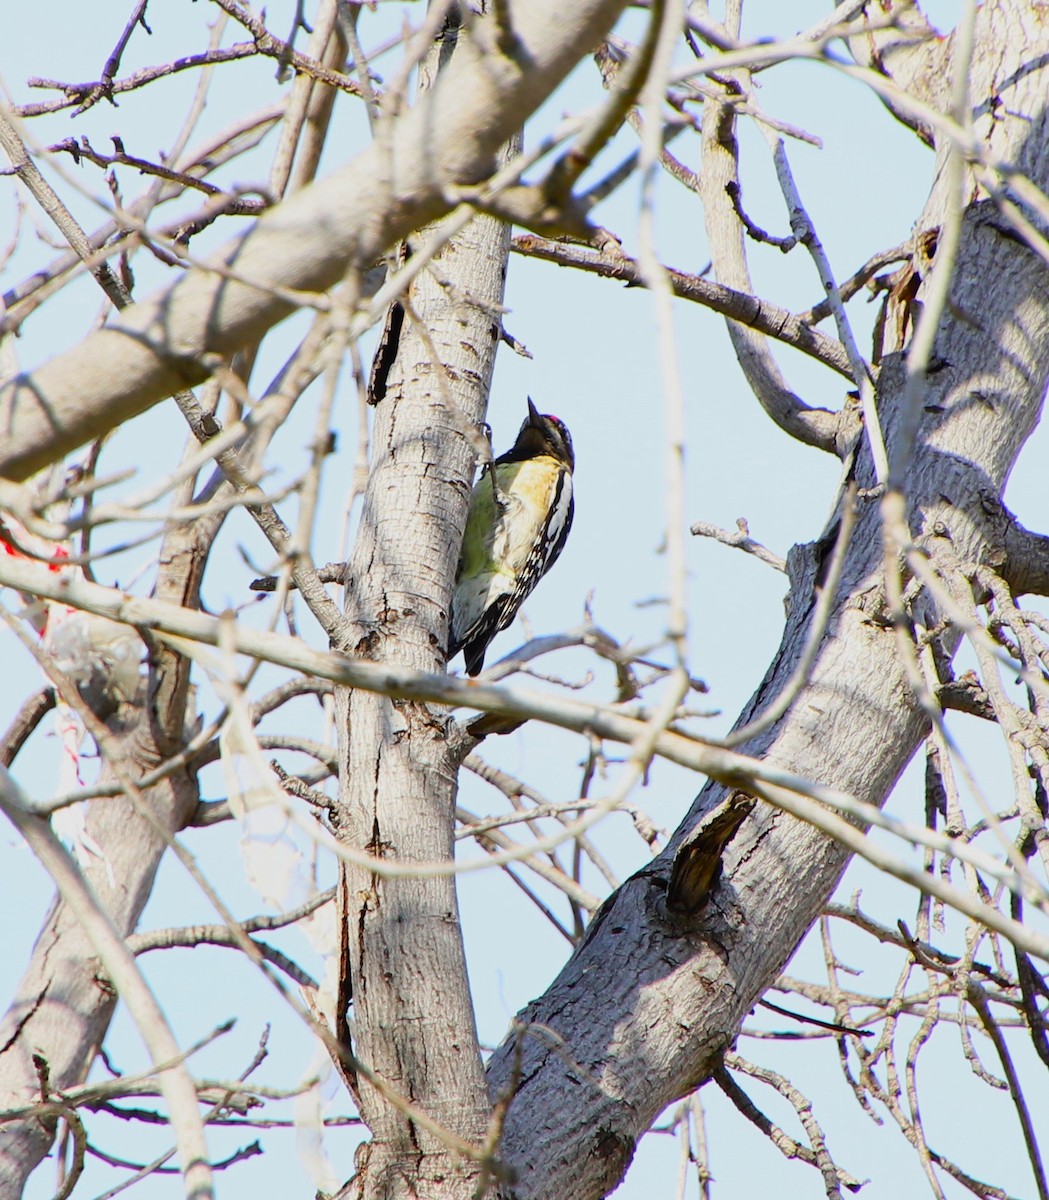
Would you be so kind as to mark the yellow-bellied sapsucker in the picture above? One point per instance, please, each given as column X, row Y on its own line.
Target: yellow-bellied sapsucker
column 514, row 533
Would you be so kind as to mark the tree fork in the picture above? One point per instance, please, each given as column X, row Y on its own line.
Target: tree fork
column 643, row 1011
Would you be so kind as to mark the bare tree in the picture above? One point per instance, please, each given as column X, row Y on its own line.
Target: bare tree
column 412, row 231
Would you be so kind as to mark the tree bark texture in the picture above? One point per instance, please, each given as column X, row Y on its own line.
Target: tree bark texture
column 413, row 1014
column 645, row 1007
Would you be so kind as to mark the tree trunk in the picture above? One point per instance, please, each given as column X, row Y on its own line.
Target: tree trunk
column 62, row 1008
column 644, row 1009
column 413, row 1014
column 63, row 1005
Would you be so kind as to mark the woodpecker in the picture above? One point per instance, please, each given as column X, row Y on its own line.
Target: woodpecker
column 517, row 526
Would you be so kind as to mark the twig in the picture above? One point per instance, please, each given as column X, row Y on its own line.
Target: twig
column 832, row 1026
column 156, row 1168
column 190, row 936
column 816, row 1155
column 233, row 204
column 553, row 875
column 819, row 312
column 112, row 64
column 740, row 540
column 48, row 200
column 566, row 171
column 832, row 432
column 978, row 1001
column 805, row 232
column 667, row 18
column 21, row 301
column 735, row 194
column 828, row 595
column 329, row 573
column 264, row 43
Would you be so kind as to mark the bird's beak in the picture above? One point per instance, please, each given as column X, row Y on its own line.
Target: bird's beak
column 534, row 416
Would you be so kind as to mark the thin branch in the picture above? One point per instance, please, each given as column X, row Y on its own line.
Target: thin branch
column 189, row 631
column 25, row 721
column 492, row 836
column 669, row 17
column 610, row 262
column 191, row 936
column 264, row 43
column 820, row 312
column 156, row 1168
column 233, row 204
column 805, row 231
column 329, row 573
column 740, row 540
column 567, row 170
column 112, row 64
column 979, row 1002
column 817, row 1156
column 828, row 597
column 26, row 297
column 832, row 432
column 48, row 200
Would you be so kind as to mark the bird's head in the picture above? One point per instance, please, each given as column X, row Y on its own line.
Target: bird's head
column 542, row 433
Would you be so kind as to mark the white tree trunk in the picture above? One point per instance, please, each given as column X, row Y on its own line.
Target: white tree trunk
column 413, row 1013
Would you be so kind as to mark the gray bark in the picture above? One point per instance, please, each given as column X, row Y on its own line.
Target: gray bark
column 413, row 1013
column 647, row 1004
